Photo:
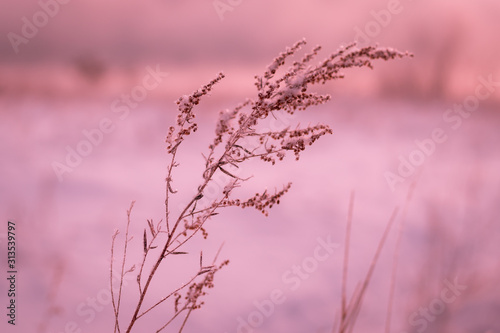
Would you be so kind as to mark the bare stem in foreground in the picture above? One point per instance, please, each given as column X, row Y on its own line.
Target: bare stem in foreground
column 239, row 137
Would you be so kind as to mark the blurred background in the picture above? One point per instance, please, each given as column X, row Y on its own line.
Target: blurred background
column 71, row 70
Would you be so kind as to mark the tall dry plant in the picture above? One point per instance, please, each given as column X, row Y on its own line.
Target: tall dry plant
column 237, row 139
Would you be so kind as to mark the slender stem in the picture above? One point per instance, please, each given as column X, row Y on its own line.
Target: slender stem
column 355, row 303
column 396, row 257
column 122, row 273
column 185, row 320
column 117, row 324
column 346, row 256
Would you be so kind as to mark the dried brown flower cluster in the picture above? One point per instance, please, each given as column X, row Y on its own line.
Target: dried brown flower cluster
column 196, row 290
column 186, row 116
column 261, row 202
column 238, row 138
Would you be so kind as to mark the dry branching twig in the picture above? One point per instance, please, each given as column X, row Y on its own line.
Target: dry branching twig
column 237, row 139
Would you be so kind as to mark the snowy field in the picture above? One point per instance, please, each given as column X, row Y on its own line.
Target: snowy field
column 450, row 231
